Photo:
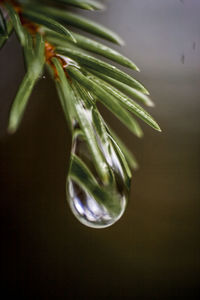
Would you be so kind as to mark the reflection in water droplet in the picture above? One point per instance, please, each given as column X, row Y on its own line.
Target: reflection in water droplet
column 89, row 211
column 102, row 206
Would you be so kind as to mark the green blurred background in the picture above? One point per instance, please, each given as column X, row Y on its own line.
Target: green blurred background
column 153, row 252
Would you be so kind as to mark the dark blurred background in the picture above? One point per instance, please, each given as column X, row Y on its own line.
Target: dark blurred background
column 153, row 252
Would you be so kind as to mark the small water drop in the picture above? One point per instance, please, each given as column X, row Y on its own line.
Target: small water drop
column 183, row 59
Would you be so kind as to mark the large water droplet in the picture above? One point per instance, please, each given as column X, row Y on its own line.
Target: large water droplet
column 99, row 206
column 99, row 178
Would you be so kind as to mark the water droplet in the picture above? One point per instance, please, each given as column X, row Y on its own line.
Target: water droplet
column 183, row 58
column 89, row 211
column 98, row 206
